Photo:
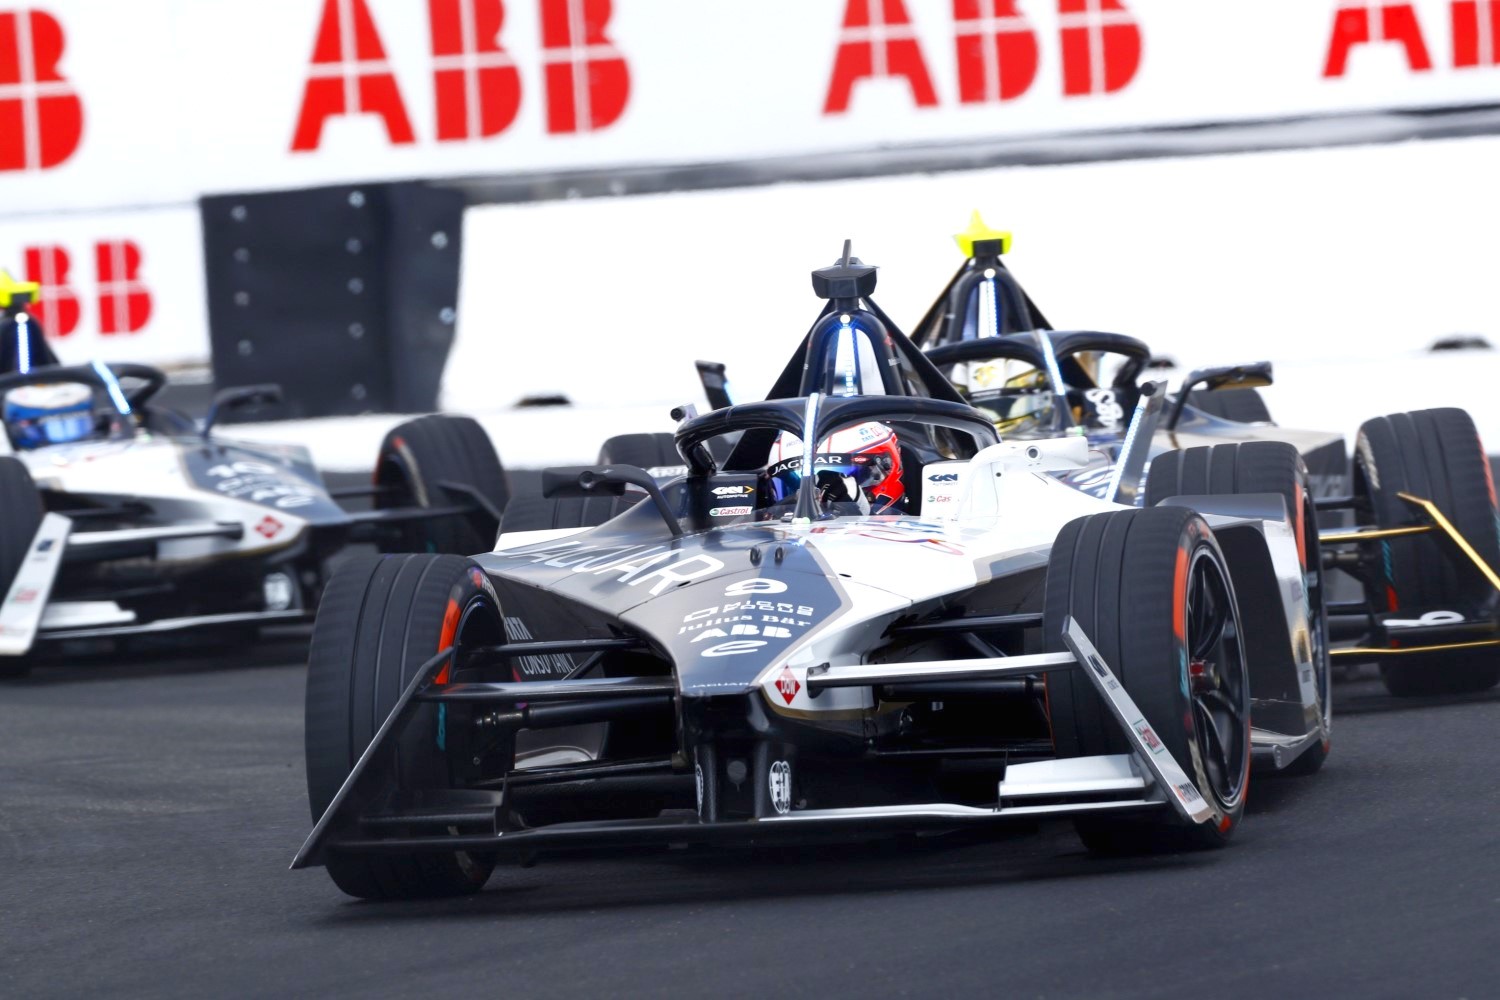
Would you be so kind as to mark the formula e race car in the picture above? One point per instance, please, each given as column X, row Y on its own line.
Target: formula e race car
column 872, row 617
column 1425, row 543
column 124, row 519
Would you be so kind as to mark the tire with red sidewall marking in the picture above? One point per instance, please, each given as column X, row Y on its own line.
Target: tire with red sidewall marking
column 1151, row 590
column 381, row 618
column 1435, row 455
column 416, row 458
column 1263, row 467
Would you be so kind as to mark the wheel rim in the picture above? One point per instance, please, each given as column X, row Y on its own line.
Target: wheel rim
column 1216, row 676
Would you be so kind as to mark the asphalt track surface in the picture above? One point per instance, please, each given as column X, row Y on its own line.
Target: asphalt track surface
column 148, row 810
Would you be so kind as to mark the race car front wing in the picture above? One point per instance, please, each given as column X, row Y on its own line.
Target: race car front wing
column 367, row 816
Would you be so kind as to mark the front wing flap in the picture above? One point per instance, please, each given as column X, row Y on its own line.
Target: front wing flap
column 1147, row 779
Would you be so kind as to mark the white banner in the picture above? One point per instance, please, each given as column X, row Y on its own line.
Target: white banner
column 116, row 286
column 159, row 101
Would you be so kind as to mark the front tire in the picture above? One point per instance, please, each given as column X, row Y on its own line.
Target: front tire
column 417, row 458
column 380, row 619
column 1152, row 591
column 1264, row 467
column 1435, row 455
column 22, row 506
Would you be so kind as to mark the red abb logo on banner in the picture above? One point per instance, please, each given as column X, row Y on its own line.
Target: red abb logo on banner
column 476, row 84
column 41, row 117
column 996, row 46
column 1476, row 33
column 124, row 301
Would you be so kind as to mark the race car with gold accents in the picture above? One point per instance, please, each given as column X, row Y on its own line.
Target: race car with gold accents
column 122, row 519
column 872, row 617
column 1418, row 495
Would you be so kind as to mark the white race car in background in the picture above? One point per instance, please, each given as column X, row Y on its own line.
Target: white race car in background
column 120, row 518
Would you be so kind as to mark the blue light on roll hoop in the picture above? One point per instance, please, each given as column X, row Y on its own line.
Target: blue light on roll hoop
column 23, row 342
column 847, row 363
column 989, row 323
column 113, row 385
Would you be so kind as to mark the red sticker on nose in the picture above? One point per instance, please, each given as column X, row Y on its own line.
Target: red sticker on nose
column 787, row 684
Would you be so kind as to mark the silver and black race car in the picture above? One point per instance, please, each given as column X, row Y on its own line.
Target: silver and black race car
column 120, row 518
column 872, row 616
column 1412, row 519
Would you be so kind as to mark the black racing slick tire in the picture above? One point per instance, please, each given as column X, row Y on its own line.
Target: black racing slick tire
column 534, row 512
column 21, row 505
column 1151, row 590
column 381, row 618
column 1243, row 406
column 417, row 458
column 1435, row 455
column 1264, row 467
column 656, row 452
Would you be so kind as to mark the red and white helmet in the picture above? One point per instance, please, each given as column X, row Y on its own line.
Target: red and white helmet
column 860, row 464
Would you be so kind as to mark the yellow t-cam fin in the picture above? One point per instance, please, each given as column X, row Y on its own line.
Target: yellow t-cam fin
column 978, row 232
column 11, row 290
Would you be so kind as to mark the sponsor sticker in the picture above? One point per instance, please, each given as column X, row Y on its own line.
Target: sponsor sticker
column 550, row 666
column 1430, row 618
column 768, row 631
column 260, row 482
column 733, row 491
column 734, row 648
column 1148, row 736
column 756, row 585
column 787, row 685
column 730, row 511
column 779, row 784
column 632, row 565
column 943, row 477
column 26, row 596
column 268, row 527
column 1187, row 793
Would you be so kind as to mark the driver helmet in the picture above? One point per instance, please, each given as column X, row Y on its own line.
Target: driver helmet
column 859, row 465
column 57, row 413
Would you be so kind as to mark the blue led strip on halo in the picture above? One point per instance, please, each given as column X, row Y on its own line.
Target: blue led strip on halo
column 113, row 385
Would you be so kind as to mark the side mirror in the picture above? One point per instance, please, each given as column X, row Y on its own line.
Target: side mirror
column 238, row 398
column 1254, row 375
column 715, row 384
column 606, row 480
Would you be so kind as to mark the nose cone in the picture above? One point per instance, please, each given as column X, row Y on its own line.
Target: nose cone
column 723, row 633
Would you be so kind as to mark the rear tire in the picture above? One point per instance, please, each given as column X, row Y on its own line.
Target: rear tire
column 381, row 618
column 22, row 506
column 646, row 451
column 1435, row 455
column 416, row 457
column 1263, row 467
column 1151, row 590
column 1243, row 406
column 533, row 512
